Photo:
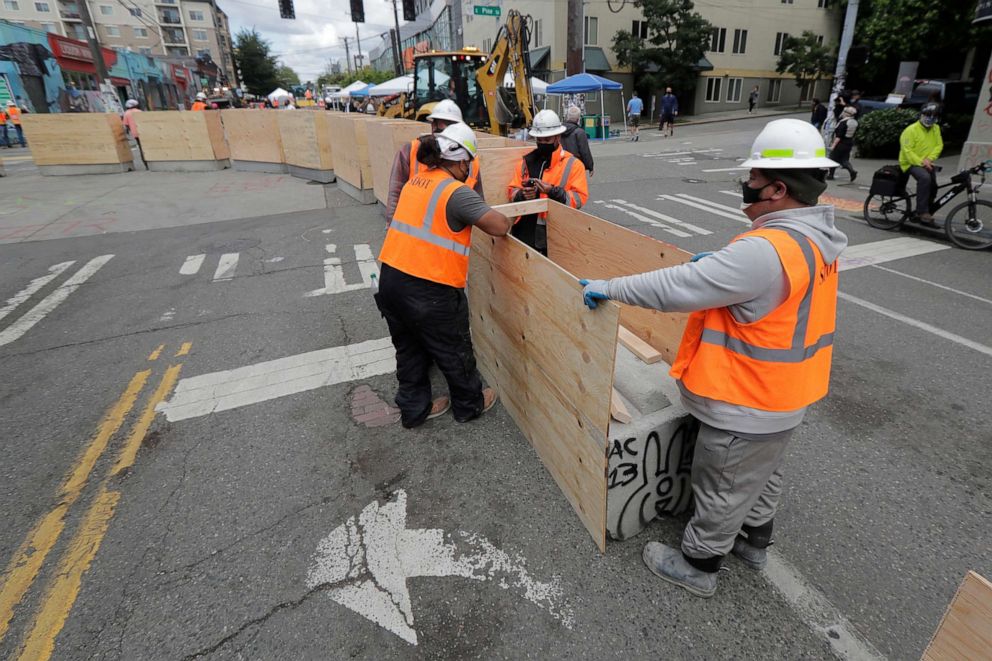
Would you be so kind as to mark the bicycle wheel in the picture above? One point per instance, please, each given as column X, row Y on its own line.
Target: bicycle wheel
column 970, row 227
column 886, row 212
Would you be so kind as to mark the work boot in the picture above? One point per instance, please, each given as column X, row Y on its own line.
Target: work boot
column 670, row 565
column 751, row 556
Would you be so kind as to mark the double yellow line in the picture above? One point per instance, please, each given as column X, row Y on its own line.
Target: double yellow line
column 61, row 592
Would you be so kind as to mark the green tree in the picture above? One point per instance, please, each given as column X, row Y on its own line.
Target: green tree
column 677, row 39
column 258, row 66
column 806, row 59
column 286, row 76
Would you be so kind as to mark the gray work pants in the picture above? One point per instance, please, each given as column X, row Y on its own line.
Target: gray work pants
column 735, row 482
column 926, row 183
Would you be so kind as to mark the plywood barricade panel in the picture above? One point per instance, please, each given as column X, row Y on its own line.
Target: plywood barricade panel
column 349, row 141
column 173, row 140
column 497, row 166
column 77, row 143
column 254, row 139
column 965, row 632
column 383, row 142
column 552, row 361
column 306, row 144
column 591, row 247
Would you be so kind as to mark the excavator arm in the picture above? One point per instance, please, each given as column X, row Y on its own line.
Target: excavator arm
column 510, row 51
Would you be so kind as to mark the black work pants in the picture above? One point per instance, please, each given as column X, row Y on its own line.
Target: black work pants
column 534, row 235
column 429, row 323
column 926, row 184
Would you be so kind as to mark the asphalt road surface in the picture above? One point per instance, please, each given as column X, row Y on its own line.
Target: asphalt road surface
column 178, row 481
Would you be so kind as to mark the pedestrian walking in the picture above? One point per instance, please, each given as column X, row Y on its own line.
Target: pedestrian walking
column 634, row 109
column 669, row 111
column 755, row 353
column 818, row 114
column 574, row 139
column 424, row 271
column 14, row 115
column 131, row 125
column 843, row 142
column 920, row 144
column 752, row 99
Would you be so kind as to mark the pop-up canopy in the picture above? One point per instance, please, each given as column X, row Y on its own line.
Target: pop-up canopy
column 581, row 83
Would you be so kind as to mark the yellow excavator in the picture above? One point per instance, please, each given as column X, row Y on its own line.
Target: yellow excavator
column 474, row 80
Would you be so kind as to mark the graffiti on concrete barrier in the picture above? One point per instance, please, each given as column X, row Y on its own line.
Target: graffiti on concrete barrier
column 648, row 477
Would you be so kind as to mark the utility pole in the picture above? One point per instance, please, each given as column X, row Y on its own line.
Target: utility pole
column 399, row 68
column 359, row 59
column 347, row 56
column 94, row 43
column 574, row 38
column 840, row 75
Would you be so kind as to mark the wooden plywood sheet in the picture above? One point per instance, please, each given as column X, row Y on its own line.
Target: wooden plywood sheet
column 965, row 632
column 178, row 136
column 253, row 135
column 218, row 140
column 384, row 141
column 591, row 247
column 298, row 133
column 552, row 360
column 497, row 167
column 322, row 129
column 349, row 141
column 76, row 139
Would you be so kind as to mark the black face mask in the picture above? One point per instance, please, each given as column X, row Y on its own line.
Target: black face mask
column 546, row 149
column 751, row 195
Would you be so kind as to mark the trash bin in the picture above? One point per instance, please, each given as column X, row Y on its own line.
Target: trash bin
column 590, row 124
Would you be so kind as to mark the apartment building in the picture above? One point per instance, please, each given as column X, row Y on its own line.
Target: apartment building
column 744, row 47
column 174, row 28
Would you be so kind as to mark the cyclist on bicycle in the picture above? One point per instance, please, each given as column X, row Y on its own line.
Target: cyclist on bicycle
column 919, row 146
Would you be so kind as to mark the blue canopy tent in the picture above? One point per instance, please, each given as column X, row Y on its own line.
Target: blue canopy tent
column 363, row 91
column 589, row 82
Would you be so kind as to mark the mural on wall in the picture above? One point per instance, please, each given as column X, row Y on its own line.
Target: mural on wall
column 34, row 63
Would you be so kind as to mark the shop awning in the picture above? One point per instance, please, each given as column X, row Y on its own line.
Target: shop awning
column 596, row 59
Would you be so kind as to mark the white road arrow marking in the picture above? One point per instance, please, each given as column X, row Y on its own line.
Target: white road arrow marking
column 367, row 560
column 334, row 282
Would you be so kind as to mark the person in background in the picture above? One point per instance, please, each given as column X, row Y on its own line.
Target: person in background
column 919, row 146
column 131, row 125
column 370, row 108
column 669, row 111
column 3, row 129
column 855, row 102
column 634, row 109
column 547, row 172
column 818, row 115
column 755, row 354
column 406, row 164
column 752, row 99
column 14, row 115
column 843, row 143
column 424, row 271
column 200, row 103
column 574, row 139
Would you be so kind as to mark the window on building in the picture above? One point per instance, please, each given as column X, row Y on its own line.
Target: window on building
column 199, row 35
column 134, row 11
column 42, row 7
column 11, row 4
column 734, row 86
column 740, row 41
column 50, row 27
column 112, row 30
column 487, row 45
column 787, row 2
column 77, row 30
column 822, row 4
column 819, row 39
column 774, row 91
column 141, row 32
column 807, row 91
column 592, row 31
column 718, row 40
column 713, row 86
column 196, row 15
column 181, row 51
column 780, row 38
column 144, row 50
column 639, row 29
column 538, row 34
column 106, row 10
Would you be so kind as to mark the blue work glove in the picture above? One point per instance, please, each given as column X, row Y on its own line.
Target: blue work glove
column 593, row 292
column 699, row 255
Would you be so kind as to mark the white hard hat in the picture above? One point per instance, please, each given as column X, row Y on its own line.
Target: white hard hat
column 786, row 144
column 131, row 103
column 201, row 96
column 546, row 124
column 447, row 111
column 457, row 143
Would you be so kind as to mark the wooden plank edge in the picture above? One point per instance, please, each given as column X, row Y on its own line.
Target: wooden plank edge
column 618, row 410
column 516, row 209
column 644, row 351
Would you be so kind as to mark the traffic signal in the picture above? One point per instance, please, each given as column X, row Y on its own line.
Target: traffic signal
column 409, row 10
column 357, row 11
column 286, row 9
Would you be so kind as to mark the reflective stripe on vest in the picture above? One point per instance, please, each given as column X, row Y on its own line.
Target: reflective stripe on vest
column 425, row 231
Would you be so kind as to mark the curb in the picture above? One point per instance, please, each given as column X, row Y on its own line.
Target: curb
column 719, row 120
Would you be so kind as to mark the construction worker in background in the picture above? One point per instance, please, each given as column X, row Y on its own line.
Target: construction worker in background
column 14, row 114
column 405, row 164
column 755, row 353
column 3, row 128
column 424, row 271
column 548, row 171
column 919, row 146
column 200, row 103
column 131, row 125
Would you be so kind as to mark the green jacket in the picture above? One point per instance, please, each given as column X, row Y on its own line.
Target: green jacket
column 917, row 143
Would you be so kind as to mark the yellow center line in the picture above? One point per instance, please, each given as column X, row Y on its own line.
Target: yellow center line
column 158, row 351
column 27, row 561
column 125, row 459
column 184, row 349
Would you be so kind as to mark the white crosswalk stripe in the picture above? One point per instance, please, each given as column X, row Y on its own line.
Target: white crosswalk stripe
column 227, row 266
column 666, row 218
column 644, row 219
column 192, row 265
column 879, row 252
column 33, row 287
column 738, row 216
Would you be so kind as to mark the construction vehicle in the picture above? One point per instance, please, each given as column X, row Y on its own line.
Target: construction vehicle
column 474, row 80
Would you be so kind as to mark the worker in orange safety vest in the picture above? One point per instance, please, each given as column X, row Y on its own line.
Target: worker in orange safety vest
column 200, row 103
column 424, row 272
column 547, row 172
column 14, row 115
column 755, row 353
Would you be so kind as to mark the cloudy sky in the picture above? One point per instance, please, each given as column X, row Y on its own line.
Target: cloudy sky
column 317, row 35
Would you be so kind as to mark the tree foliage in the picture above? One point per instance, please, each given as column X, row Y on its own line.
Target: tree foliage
column 806, row 59
column 365, row 74
column 678, row 37
column 286, row 76
column 257, row 64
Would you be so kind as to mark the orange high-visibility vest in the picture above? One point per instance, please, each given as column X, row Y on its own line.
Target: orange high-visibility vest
column 565, row 171
column 416, row 166
column 419, row 241
column 779, row 363
column 198, row 105
column 15, row 115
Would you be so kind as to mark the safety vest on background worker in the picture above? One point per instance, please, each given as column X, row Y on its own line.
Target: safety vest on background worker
column 565, row 171
column 198, row 105
column 419, row 241
column 780, row 363
column 416, row 166
column 15, row 114
column 3, row 117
